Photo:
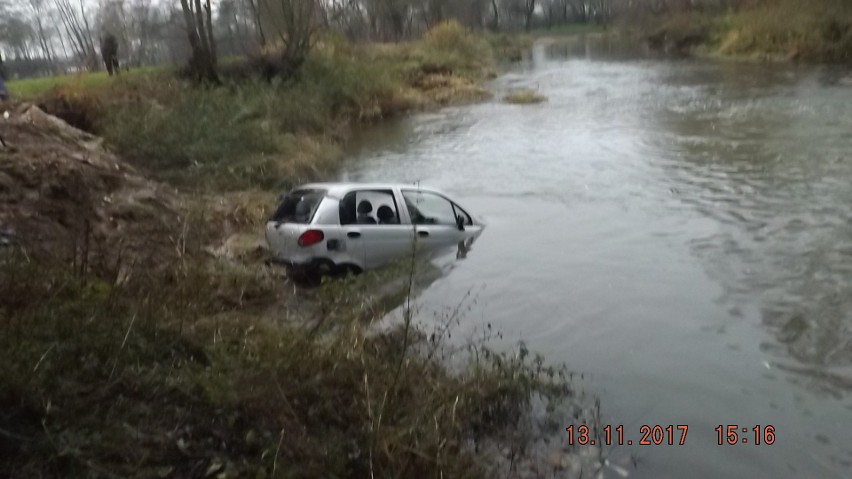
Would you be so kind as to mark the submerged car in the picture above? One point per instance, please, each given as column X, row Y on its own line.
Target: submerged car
column 354, row 227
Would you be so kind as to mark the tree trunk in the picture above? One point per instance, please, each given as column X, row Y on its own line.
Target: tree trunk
column 202, row 65
column 91, row 57
column 211, row 42
column 529, row 14
column 495, row 22
column 257, row 22
column 199, row 28
column 45, row 48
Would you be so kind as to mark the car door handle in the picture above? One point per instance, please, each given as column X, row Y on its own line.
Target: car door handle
column 423, row 234
column 353, row 234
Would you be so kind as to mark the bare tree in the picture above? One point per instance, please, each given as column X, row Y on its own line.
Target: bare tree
column 38, row 10
column 79, row 32
column 295, row 24
column 434, row 11
column 495, row 15
column 154, row 34
column 255, row 9
column 391, row 18
column 18, row 35
column 199, row 31
column 236, row 28
column 529, row 11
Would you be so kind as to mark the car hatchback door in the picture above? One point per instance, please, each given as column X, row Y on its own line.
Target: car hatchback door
column 293, row 217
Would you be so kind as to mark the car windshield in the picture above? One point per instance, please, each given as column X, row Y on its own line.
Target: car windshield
column 298, row 206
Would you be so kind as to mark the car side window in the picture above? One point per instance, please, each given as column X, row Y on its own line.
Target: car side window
column 429, row 209
column 369, row 207
column 468, row 221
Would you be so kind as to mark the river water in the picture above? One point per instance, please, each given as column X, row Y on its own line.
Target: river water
column 679, row 231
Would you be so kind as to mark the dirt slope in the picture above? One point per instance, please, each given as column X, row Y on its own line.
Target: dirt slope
column 64, row 196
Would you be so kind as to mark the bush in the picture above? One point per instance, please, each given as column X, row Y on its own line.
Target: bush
column 200, row 132
column 451, row 48
column 449, row 35
column 341, row 83
column 524, row 97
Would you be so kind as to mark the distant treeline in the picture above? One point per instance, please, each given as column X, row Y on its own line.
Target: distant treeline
column 41, row 37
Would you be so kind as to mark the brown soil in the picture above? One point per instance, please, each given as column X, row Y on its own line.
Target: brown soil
column 64, row 196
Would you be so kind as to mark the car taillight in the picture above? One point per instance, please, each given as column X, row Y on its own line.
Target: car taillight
column 310, row 238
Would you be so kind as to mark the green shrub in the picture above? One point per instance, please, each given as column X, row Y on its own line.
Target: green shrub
column 251, row 133
column 196, row 131
column 342, row 83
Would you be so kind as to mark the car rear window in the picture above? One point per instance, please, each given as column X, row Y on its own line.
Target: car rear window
column 298, row 206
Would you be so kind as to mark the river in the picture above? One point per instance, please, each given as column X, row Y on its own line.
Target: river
column 679, row 231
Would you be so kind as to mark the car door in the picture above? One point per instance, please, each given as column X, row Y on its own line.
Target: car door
column 351, row 241
column 434, row 220
column 378, row 225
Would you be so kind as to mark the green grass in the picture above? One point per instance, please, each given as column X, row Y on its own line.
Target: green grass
column 248, row 134
column 33, row 88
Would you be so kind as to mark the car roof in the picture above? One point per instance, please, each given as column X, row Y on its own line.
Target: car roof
column 340, row 189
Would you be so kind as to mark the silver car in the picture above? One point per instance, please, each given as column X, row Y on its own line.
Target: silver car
column 355, row 227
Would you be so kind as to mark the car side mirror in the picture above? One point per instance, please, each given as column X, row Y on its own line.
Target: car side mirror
column 460, row 222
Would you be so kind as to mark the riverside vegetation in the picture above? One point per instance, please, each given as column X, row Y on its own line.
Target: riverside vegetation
column 133, row 346
column 813, row 31
column 253, row 132
column 524, row 97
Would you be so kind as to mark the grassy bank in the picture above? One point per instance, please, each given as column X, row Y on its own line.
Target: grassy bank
column 186, row 373
column 269, row 134
column 817, row 31
column 33, row 88
column 185, row 361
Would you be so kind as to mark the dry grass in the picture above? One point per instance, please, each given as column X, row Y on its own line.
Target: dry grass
column 819, row 30
column 524, row 97
column 193, row 372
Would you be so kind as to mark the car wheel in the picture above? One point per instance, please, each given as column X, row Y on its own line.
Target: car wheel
column 303, row 276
